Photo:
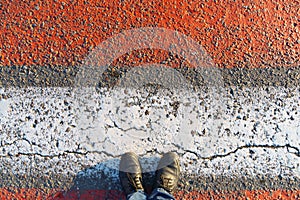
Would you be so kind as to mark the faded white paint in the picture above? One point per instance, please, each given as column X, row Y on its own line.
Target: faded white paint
column 39, row 124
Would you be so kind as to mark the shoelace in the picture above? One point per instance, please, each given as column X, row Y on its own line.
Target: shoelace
column 138, row 182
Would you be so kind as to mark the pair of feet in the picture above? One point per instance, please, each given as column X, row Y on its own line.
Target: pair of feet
column 166, row 175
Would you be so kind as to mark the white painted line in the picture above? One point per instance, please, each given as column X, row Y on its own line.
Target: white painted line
column 255, row 131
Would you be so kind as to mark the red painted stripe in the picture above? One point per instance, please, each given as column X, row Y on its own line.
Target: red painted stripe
column 55, row 194
column 235, row 33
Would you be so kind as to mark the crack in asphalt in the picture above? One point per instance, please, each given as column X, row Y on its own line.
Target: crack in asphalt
column 265, row 146
column 57, row 155
column 122, row 129
column 288, row 146
column 14, row 142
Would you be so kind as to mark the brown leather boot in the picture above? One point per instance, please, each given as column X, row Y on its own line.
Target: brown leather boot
column 130, row 173
column 167, row 173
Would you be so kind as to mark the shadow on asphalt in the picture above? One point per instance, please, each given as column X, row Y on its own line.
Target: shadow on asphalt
column 102, row 180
